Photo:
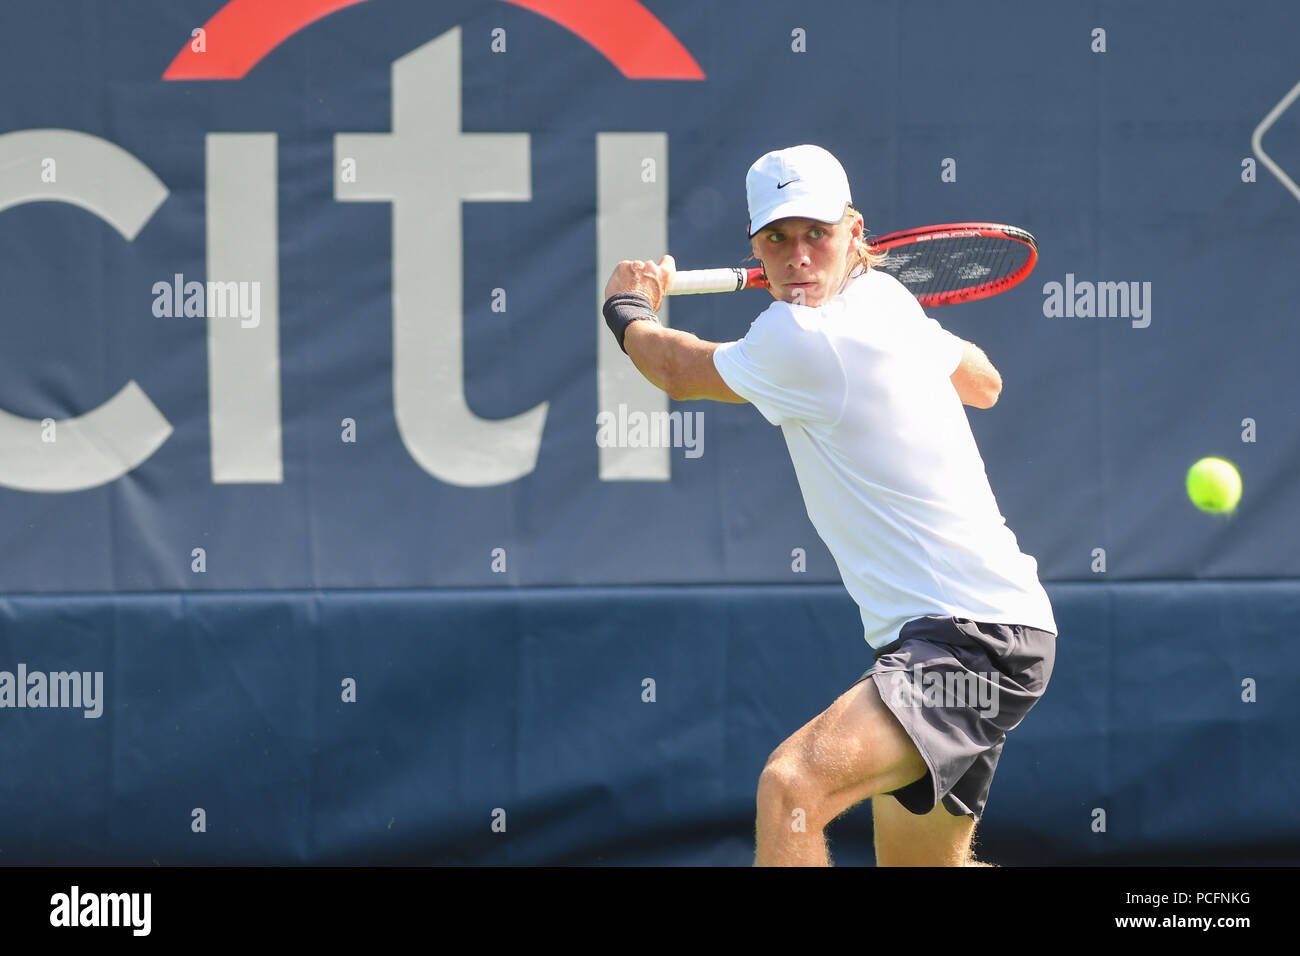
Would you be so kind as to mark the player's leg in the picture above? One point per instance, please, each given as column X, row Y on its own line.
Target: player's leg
column 937, row 838
column 964, row 742
column 854, row 749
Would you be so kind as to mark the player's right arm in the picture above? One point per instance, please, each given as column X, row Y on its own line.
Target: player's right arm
column 977, row 382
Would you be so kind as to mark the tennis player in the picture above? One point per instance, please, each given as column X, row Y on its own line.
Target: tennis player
column 868, row 392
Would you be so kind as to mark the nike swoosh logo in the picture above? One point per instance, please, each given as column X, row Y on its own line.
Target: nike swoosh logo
column 787, row 183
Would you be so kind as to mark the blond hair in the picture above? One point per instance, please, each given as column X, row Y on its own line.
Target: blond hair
column 868, row 257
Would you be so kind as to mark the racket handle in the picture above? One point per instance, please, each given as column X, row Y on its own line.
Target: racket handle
column 732, row 279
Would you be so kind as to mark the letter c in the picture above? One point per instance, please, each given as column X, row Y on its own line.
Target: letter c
column 106, row 442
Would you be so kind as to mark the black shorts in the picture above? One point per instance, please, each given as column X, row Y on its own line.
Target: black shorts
column 958, row 687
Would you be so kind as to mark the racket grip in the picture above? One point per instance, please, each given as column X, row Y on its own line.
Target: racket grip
column 694, row 281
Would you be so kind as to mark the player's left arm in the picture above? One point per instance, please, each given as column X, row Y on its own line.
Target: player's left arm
column 678, row 362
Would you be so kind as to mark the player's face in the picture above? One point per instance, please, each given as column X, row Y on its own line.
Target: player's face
column 805, row 260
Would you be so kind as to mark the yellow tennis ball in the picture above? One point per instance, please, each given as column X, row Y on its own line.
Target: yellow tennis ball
column 1214, row 485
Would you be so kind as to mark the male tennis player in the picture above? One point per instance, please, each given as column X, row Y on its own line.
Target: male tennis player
column 868, row 391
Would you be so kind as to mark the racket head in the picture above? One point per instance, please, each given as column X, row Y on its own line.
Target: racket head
column 958, row 261
column 952, row 262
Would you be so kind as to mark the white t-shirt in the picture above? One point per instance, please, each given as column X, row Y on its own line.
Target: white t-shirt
column 890, row 473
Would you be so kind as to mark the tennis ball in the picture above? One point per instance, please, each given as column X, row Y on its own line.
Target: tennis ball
column 1214, row 485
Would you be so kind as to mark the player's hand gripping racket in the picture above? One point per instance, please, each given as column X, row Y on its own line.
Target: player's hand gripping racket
column 940, row 265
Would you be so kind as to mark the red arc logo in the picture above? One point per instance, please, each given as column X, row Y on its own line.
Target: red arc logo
column 243, row 32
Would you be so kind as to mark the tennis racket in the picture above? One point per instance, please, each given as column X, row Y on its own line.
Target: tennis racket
column 940, row 265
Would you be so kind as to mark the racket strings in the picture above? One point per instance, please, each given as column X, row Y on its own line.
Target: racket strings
column 946, row 266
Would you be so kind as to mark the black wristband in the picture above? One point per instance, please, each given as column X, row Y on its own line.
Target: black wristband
column 624, row 308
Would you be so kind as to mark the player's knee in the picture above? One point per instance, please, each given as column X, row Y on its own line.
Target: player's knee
column 788, row 787
column 786, row 784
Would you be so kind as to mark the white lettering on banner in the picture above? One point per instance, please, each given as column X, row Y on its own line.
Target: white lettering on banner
column 631, row 223
column 244, row 359
column 103, row 444
column 426, row 167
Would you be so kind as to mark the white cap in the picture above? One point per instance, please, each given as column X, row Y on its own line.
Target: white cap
column 804, row 181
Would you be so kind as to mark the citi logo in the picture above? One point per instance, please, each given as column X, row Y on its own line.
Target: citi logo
column 426, row 167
